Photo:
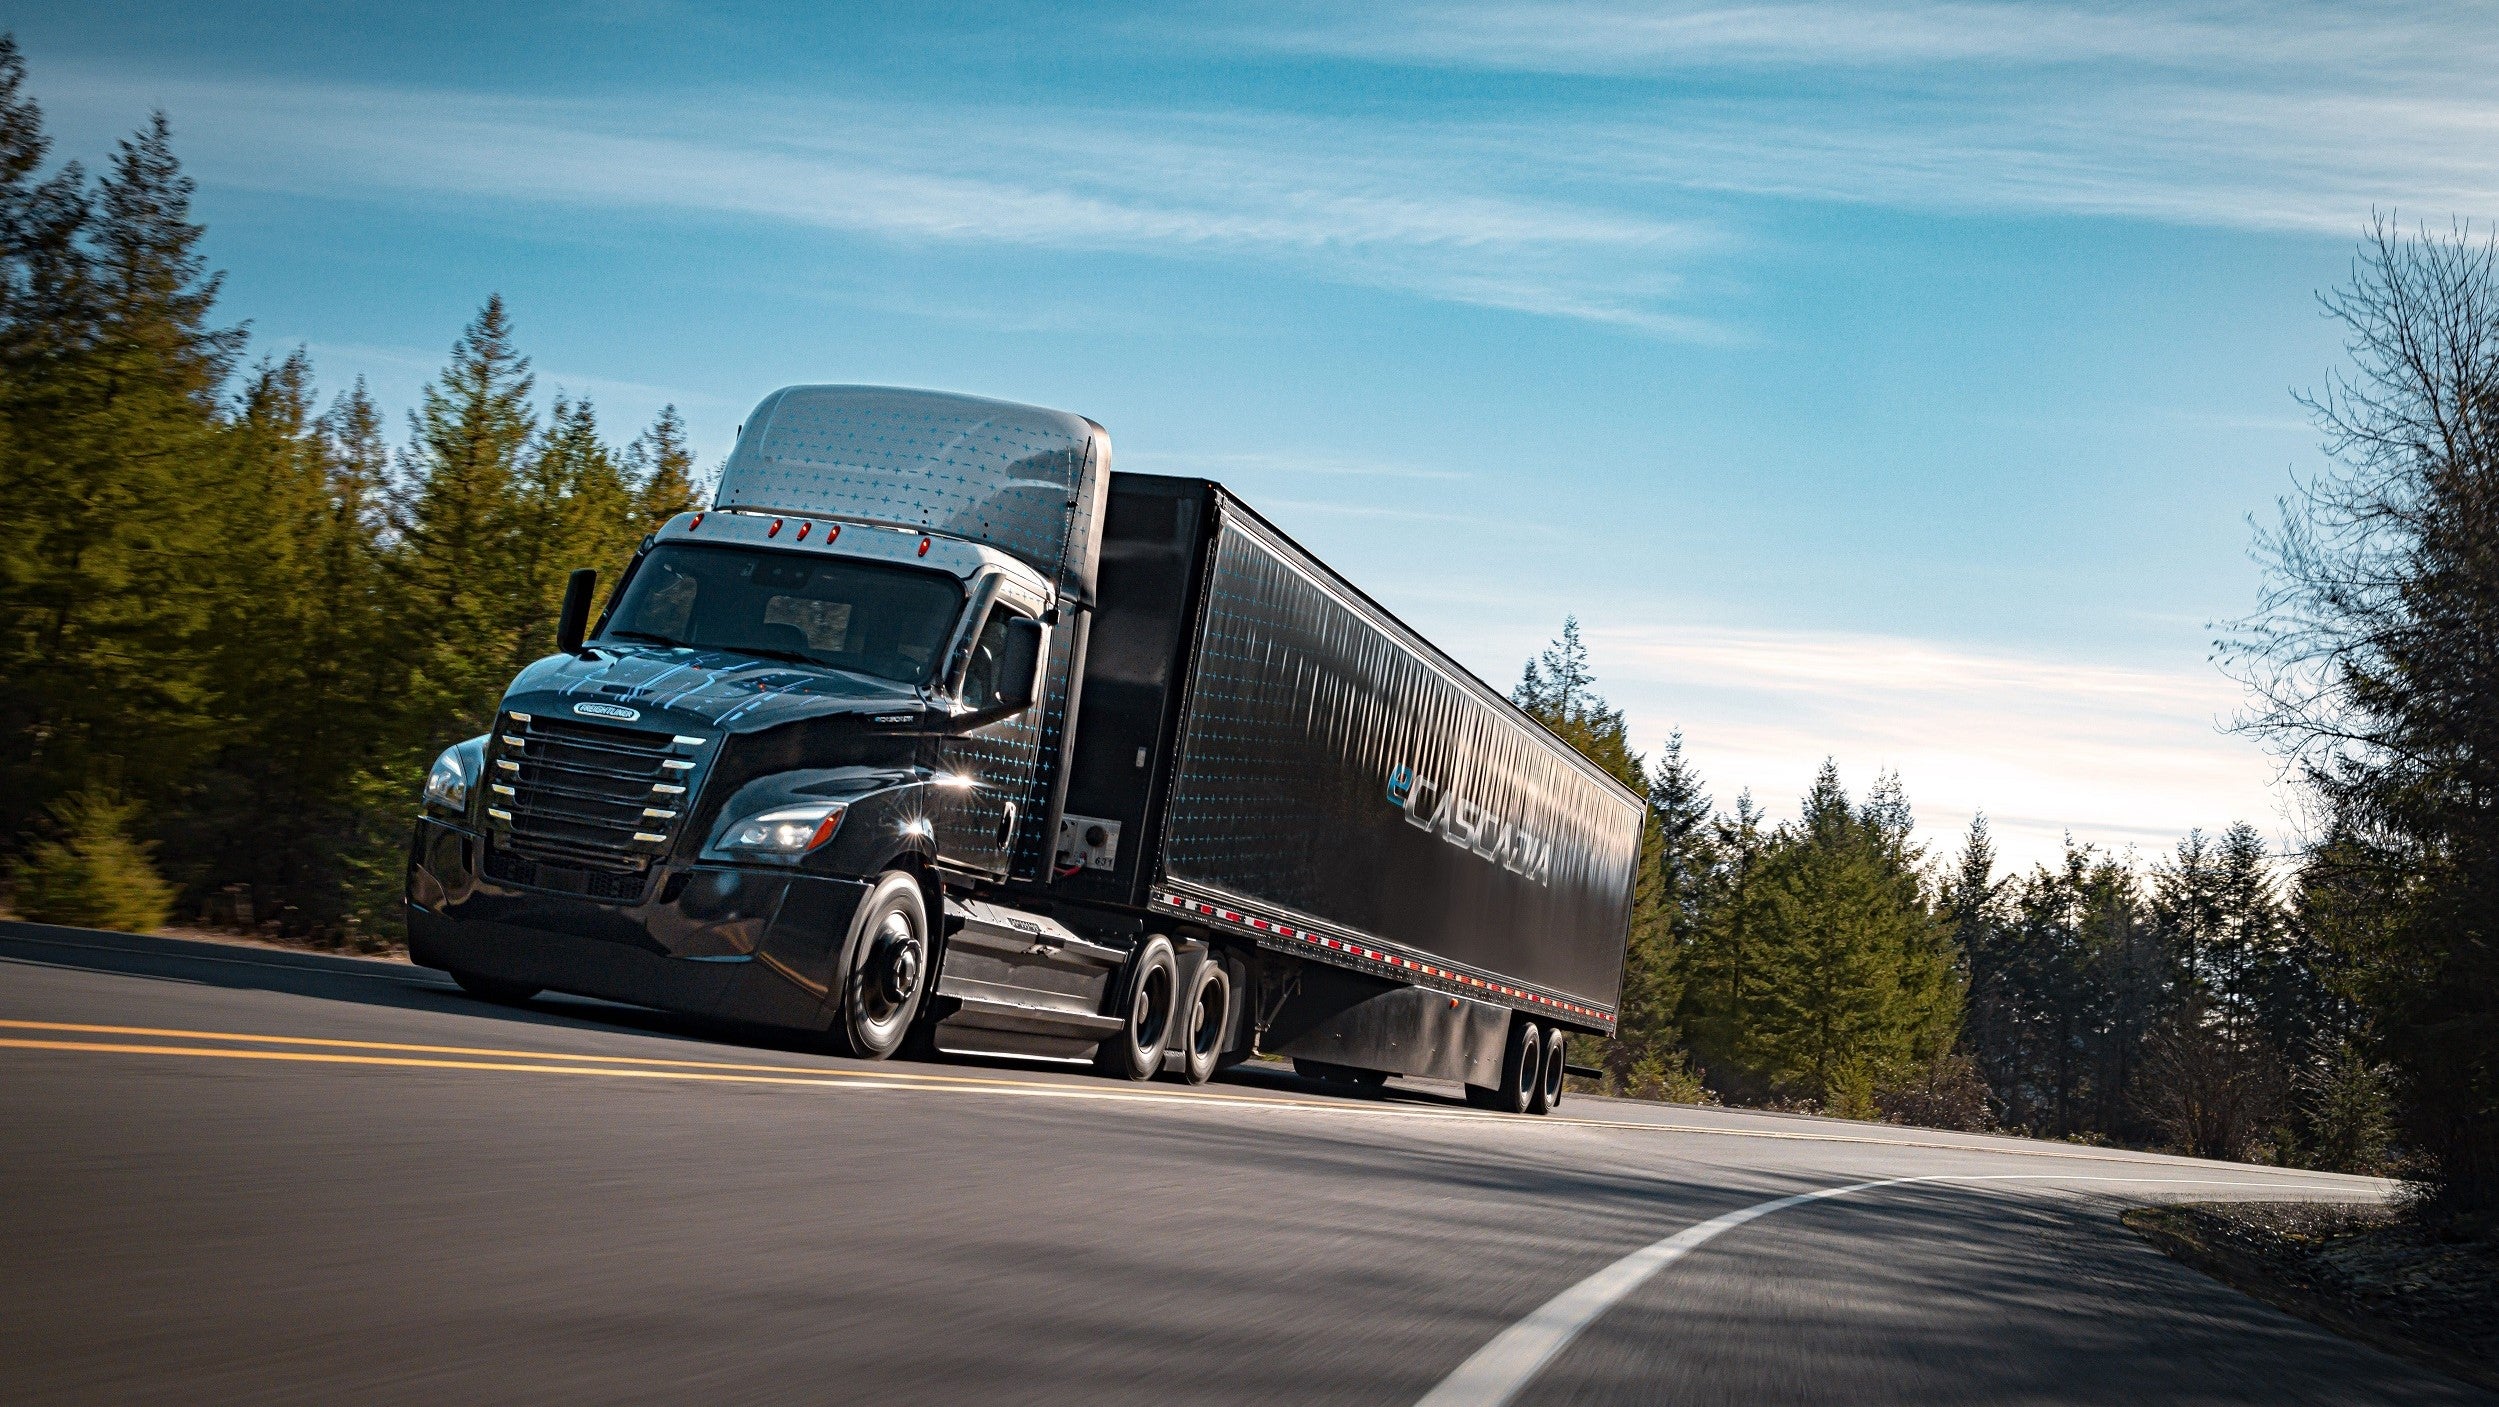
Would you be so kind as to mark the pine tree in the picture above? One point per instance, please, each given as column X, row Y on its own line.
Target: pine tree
column 576, row 510
column 111, row 443
column 300, row 666
column 456, row 568
column 1559, row 689
column 661, row 468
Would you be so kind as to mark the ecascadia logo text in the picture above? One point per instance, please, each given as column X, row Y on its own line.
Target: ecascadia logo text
column 1431, row 806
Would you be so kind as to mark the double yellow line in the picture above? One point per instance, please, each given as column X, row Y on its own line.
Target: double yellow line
column 237, row 1045
column 317, row 1050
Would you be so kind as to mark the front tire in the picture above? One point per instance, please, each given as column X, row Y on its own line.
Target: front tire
column 885, row 968
column 1135, row 1051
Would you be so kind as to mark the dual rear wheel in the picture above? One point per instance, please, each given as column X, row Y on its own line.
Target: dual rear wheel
column 1534, row 1063
column 1160, row 1017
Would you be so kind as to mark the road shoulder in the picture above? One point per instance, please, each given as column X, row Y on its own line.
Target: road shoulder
column 2358, row 1269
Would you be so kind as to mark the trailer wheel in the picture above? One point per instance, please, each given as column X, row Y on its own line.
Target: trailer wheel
column 884, row 968
column 1522, row 1073
column 1549, row 1090
column 1135, row 1051
column 490, row 989
column 1205, row 1018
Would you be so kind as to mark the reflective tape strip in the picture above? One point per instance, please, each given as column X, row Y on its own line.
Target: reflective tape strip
column 1261, row 924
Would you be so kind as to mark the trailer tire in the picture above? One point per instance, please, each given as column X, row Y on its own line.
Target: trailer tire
column 1148, row 995
column 1205, row 1020
column 1549, row 1079
column 492, row 989
column 1522, row 1073
column 884, row 969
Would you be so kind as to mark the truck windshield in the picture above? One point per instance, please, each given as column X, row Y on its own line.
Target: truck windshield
column 874, row 619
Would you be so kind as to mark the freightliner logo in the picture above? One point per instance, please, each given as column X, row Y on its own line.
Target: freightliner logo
column 1430, row 806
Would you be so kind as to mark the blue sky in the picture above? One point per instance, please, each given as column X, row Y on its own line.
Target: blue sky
column 1890, row 382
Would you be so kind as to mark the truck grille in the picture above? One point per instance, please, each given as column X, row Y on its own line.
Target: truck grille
column 584, row 808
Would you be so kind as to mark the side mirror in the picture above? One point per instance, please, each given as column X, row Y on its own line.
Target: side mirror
column 574, row 622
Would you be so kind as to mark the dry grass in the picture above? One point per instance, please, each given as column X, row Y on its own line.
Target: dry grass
column 2365, row 1271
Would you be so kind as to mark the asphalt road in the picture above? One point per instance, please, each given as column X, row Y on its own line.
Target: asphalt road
column 286, row 1178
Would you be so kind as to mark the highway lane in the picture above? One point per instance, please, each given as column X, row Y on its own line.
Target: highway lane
column 477, row 1204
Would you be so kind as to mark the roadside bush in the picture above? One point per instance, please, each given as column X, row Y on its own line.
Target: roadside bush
column 1949, row 1093
column 2213, row 1096
column 92, row 875
column 1850, row 1095
column 1667, row 1077
column 2350, row 1106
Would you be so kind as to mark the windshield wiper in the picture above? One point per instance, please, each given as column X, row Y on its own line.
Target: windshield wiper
column 646, row 635
column 766, row 652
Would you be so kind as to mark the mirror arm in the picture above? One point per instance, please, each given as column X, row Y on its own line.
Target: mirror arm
column 574, row 620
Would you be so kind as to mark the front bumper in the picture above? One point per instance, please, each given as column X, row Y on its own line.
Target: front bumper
column 738, row 942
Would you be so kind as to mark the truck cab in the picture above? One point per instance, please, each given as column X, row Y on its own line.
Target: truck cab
column 814, row 726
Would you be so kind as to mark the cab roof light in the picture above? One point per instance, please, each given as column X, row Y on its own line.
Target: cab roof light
column 923, row 547
column 774, row 530
column 802, row 531
column 698, row 522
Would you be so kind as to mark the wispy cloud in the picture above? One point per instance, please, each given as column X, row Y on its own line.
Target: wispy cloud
column 1650, row 36
column 2280, row 116
column 2114, row 754
column 1603, row 192
column 1382, row 204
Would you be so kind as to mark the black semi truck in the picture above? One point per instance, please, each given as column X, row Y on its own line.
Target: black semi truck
column 933, row 733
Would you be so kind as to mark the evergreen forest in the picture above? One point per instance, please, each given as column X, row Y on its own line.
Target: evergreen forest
column 239, row 613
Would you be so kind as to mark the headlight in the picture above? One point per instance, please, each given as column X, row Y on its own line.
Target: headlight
column 783, row 833
column 447, row 786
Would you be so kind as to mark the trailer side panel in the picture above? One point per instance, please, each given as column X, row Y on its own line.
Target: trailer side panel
column 1333, row 767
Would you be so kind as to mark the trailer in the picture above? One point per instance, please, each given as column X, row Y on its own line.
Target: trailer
column 934, row 733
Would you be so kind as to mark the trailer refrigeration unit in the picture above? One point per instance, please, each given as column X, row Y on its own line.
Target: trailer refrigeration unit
column 935, row 733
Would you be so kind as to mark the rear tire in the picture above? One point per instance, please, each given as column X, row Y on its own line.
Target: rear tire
column 1522, row 1073
column 885, row 968
column 494, row 989
column 1135, row 1051
column 1549, row 1092
column 1205, row 1019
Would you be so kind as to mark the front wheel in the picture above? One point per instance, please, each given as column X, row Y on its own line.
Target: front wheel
column 885, row 968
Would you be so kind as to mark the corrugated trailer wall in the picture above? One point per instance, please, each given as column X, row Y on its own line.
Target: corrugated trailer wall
column 1332, row 767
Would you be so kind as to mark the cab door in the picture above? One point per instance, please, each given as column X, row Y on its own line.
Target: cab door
column 989, row 778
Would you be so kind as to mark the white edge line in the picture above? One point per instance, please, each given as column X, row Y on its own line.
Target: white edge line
column 1495, row 1373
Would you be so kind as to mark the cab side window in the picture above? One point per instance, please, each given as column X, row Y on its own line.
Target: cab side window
column 982, row 676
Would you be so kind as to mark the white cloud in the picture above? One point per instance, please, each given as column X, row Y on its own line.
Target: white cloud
column 2283, row 116
column 2117, row 755
column 1368, row 203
